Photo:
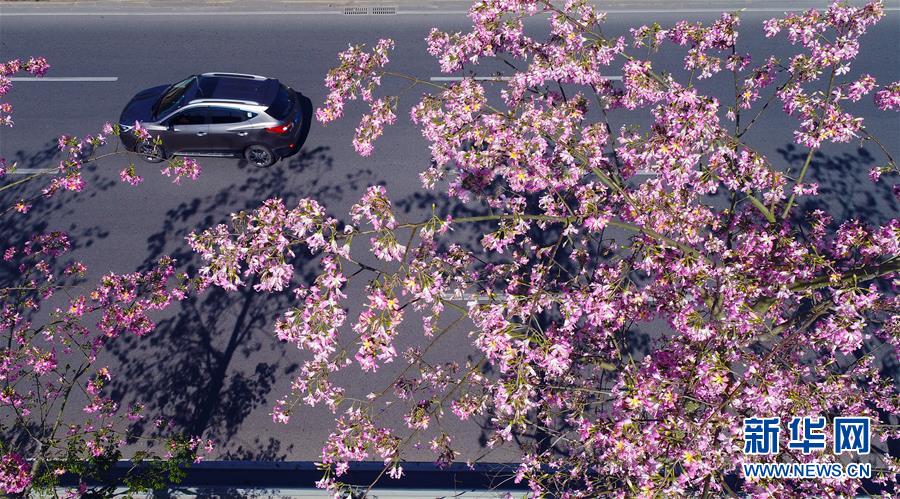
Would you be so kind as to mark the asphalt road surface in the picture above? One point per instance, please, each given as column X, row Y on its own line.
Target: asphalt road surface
column 214, row 365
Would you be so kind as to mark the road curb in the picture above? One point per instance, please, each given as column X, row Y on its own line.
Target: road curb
column 302, row 475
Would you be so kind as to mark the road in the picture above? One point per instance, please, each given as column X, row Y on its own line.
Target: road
column 214, row 365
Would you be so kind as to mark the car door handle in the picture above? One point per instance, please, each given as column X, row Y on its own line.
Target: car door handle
column 242, row 134
column 201, row 134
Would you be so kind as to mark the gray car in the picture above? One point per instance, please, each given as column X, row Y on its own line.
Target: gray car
column 219, row 115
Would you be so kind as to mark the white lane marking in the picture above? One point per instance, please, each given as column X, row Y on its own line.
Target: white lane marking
column 476, row 78
column 472, row 297
column 31, row 171
column 65, row 78
column 185, row 13
column 496, row 78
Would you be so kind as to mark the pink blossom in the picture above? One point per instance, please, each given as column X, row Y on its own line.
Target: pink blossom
column 888, row 98
column 140, row 132
column 37, row 66
column 15, row 474
column 372, row 126
column 181, row 167
column 130, row 176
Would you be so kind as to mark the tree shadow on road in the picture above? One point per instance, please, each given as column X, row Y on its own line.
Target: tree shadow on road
column 214, row 362
column 845, row 190
column 56, row 213
column 44, row 213
column 47, row 157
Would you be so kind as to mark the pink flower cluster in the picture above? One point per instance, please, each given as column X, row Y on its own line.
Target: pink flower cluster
column 126, row 299
column 15, row 474
column 359, row 75
column 40, row 364
column 356, row 438
column 376, row 328
column 355, row 76
column 721, row 35
column 79, row 152
column 375, row 208
column 888, row 98
column 181, row 167
column 36, row 66
column 129, row 176
column 372, row 126
column 68, row 176
column 268, row 236
column 831, row 41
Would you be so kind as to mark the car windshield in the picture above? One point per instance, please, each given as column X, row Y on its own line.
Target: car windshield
column 281, row 108
column 172, row 97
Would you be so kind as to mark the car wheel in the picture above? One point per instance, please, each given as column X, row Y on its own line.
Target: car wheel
column 259, row 155
column 151, row 153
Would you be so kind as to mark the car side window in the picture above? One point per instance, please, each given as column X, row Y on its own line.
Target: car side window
column 222, row 116
column 196, row 116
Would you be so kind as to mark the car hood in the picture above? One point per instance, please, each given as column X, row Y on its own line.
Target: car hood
column 140, row 108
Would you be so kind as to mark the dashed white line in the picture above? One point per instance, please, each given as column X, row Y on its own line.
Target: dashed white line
column 184, row 13
column 32, row 171
column 471, row 297
column 476, row 78
column 65, row 78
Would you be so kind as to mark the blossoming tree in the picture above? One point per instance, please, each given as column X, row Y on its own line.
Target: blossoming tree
column 48, row 356
column 767, row 305
column 771, row 311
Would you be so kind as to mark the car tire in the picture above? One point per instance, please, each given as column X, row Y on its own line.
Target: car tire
column 146, row 150
column 259, row 155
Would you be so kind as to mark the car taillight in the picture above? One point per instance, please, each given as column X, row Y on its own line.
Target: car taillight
column 281, row 129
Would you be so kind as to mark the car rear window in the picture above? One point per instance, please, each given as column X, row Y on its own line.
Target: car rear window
column 283, row 104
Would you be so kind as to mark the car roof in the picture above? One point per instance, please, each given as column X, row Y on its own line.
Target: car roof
column 235, row 87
